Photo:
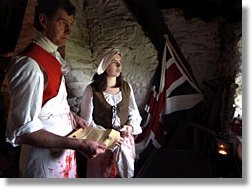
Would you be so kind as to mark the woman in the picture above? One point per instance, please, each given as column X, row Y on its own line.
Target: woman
column 109, row 103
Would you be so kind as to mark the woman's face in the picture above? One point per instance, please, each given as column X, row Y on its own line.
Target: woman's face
column 115, row 67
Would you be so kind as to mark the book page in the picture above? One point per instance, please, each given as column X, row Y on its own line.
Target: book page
column 107, row 137
column 111, row 138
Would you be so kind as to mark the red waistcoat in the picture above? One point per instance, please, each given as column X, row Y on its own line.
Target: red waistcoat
column 52, row 68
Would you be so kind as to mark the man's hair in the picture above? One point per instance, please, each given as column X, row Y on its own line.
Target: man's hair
column 49, row 8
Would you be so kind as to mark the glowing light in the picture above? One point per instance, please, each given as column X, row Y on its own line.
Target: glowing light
column 223, row 148
column 222, row 152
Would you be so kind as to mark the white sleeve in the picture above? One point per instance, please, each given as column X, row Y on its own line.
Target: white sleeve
column 25, row 85
column 134, row 115
column 87, row 104
column 87, row 107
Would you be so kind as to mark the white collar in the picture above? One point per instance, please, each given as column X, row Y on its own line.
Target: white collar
column 45, row 43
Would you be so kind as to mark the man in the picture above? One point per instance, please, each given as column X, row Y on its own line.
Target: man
column 39, row 116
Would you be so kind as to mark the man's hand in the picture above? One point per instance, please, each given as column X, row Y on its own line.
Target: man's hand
column 91, row 149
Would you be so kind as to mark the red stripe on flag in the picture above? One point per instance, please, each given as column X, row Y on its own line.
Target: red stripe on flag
column 156, row 125
column 146, row 130
column 156, row 108
column 172, row 74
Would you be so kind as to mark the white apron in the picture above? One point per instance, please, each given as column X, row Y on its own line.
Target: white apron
column 51, row 163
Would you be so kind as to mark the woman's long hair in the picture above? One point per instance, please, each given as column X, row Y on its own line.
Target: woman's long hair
column 100, row 82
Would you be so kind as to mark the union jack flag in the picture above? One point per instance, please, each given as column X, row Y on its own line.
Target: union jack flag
column 174, row 90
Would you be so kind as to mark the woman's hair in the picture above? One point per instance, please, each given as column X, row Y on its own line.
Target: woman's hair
column 100, row 82
column 49, row 8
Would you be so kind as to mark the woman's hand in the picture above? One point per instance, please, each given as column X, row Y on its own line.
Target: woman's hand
column 126, row 130
column 81, row 123
column 120, row 141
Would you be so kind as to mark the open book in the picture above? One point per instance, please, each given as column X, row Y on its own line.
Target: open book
column 107, row 137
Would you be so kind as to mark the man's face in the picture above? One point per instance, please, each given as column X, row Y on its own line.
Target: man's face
column 58, row 28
